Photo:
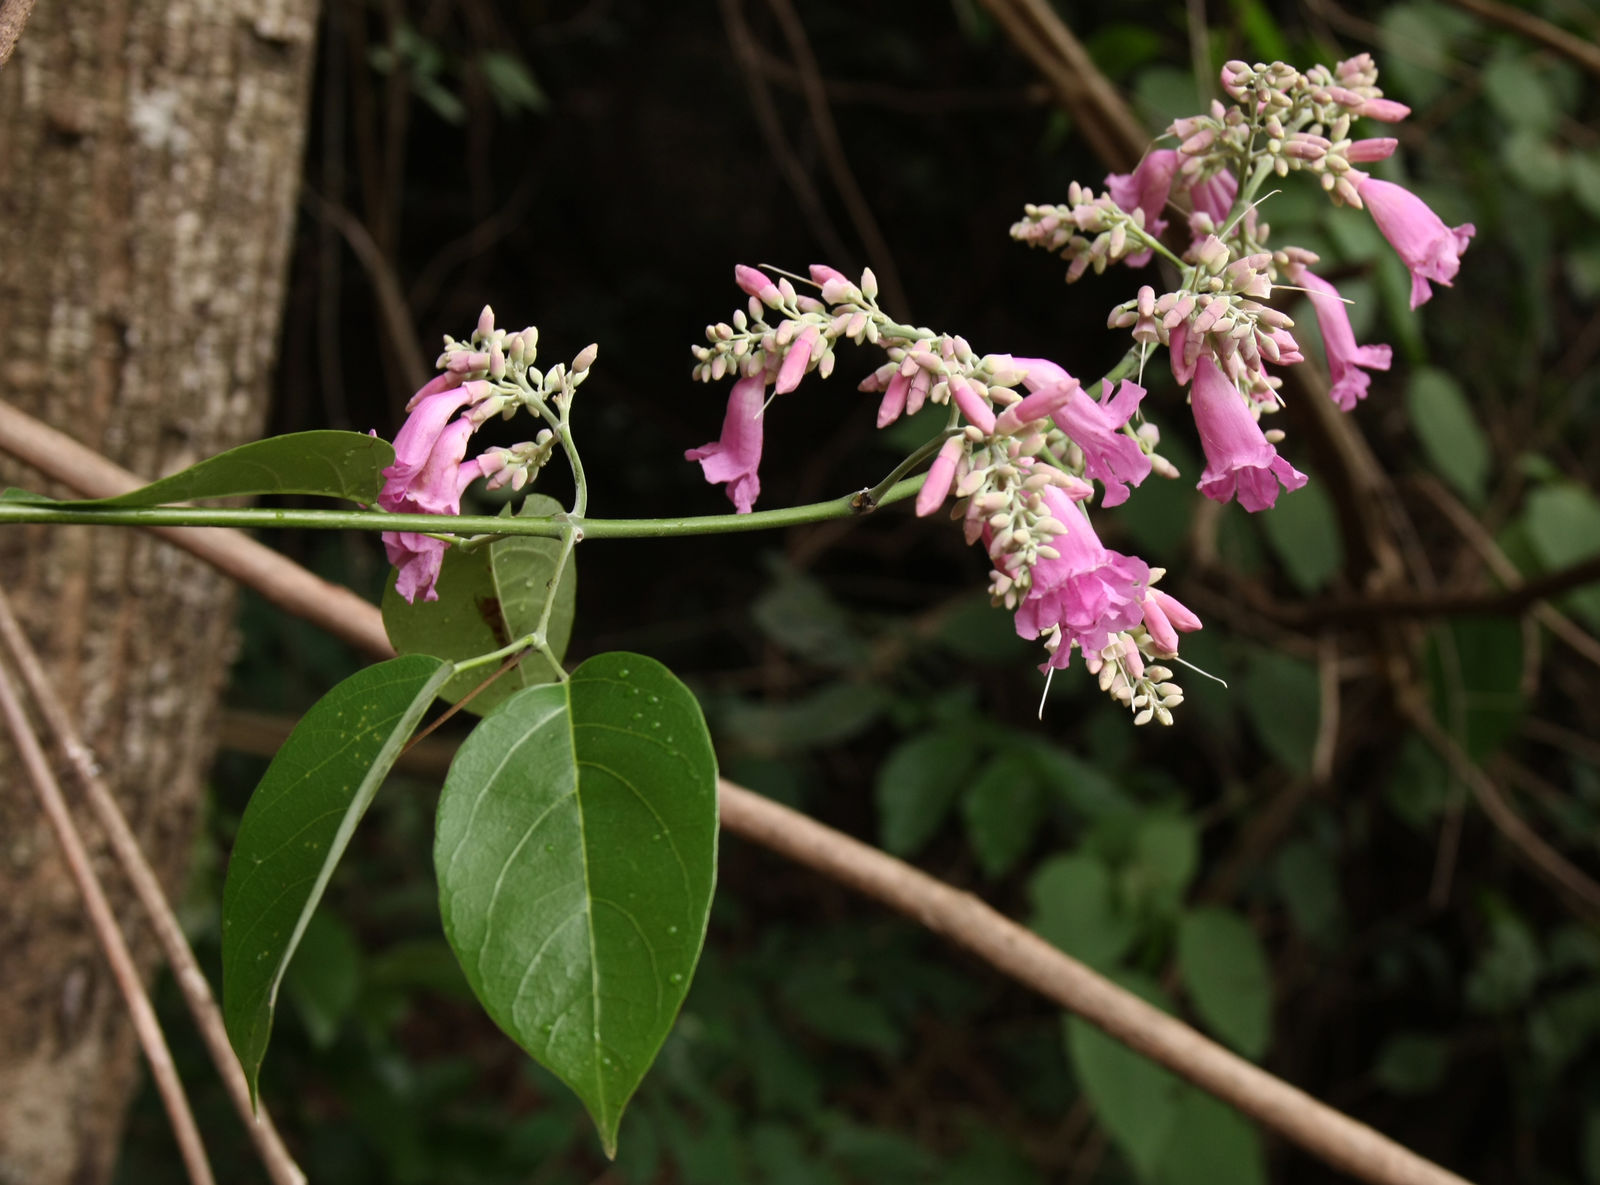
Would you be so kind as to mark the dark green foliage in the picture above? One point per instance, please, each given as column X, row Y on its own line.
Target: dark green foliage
column 1419, row 972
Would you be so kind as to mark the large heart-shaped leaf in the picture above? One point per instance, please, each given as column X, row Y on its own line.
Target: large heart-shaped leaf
column 298, row 824
column 576, row 853
column 324, row 463
column 488, row 597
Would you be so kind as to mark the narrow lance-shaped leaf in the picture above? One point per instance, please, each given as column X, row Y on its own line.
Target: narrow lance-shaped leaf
column 297, row 826
column 576, row 853
column 324, row 463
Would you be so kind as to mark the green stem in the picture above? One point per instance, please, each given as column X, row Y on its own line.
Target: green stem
column 869, row 500
column 522, row 643
column 1247, row 193
column 62, row 513
column 1125, row 369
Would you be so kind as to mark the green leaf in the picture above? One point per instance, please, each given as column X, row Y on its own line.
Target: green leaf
column 1159, row 518
column 1309, row 885
column 1003, row 808
column 325, row 980
column 1283, row 701
column 1135, row 1100
column 325, row 464
column 1520, row 93
column 1563, row 524
column 297, row 826
column 1080, row 785
column 1420, row 788
column 1475, row 667
column 970, row 628
column 1507, row 968
column 576, row 852
column 1228, row 978
column 1304, row 532
column 1583, row 173
column 1255, row 20
column 1416, row 49
column 829, row 1001
column 1073, row 908
column 917, row 786
column 1449, row 432
column 797, row 614
column 826, row 716
column 1591, row 1146
column 1211, row 1144
column 1536, row 164
column 511, row 84
column 489, row 597
column 1411, row 1063
column 1166, row 855
column 1561, row 1026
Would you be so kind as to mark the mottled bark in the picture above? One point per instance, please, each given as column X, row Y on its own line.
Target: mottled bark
column 149, row 161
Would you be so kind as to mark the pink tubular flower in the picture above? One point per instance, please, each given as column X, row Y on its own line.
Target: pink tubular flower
column 972, row 405
column 1089, row 592
column 1214, row 196
column 733, row 459
column 1429, row 249
column 435, row 486
column 1110, row 456
column 940, row 474
column 440, row 382
column 1239, row 458
column 1382, row 110
column 757, row 284
column 796, row 361
column 428, row 477
column 418, row 559
column 1363, row 152
column 894, row 397
column 1345, row 358
column 1164, row 617
column 1146, row 188
column 431, row 410
column 1178, row 352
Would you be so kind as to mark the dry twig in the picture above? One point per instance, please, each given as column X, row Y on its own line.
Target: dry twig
column 115, row 946
column 13, row 16
column 191, row 981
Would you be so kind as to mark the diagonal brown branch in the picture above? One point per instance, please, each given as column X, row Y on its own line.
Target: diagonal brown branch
column 960, row 917
column 1113, row 131
column 123, row 970
column 13, row 16
column 191, row 981
column 1536, row 28
column 1566, row 877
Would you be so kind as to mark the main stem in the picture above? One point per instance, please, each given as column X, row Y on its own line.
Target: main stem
column 466, row 524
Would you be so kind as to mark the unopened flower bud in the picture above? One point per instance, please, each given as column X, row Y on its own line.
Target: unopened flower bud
column 585, row 358
column 756, row 283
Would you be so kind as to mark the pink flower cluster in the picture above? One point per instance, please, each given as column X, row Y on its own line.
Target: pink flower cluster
column 1086, row 593
column 1240, row 461
column 732, row 459
column 429, row 475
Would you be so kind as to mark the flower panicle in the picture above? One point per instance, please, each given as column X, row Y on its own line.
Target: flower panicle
column 491, row 373
column 1027, row 446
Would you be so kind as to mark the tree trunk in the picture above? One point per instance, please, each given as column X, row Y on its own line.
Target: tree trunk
column 149, row 165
